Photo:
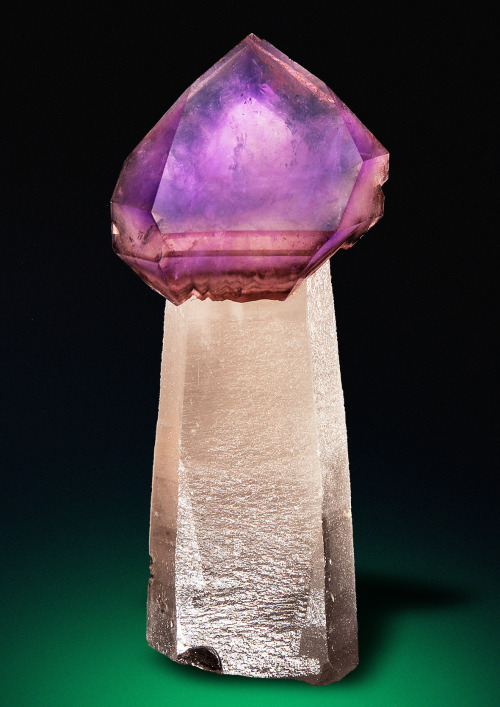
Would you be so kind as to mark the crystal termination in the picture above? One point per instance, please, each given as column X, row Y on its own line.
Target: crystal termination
column 253, row 178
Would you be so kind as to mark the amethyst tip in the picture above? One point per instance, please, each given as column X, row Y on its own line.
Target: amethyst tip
column 254, row 177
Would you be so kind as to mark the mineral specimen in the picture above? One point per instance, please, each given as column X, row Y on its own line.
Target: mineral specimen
column 251, row 536
column 253, row 178
column 246, row 186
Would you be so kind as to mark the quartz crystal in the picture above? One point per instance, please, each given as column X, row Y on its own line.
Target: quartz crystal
column 235, row 200
column 253, row 178
column 252, row 567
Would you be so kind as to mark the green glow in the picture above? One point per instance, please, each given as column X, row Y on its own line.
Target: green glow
column 75, row 632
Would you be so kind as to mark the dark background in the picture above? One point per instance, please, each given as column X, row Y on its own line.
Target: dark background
column 415, row 303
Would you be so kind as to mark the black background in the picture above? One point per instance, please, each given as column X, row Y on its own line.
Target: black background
column 415, row 298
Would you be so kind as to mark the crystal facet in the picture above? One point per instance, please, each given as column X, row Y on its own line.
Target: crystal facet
column 252, row 569
column 253, row 178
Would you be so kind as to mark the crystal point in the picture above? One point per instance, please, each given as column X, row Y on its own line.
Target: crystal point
column 253, row 178
column 252, row 568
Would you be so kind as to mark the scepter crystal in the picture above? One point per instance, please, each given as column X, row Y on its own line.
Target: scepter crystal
column 232, row 205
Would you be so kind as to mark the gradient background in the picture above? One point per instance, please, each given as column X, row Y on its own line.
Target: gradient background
column 82, row 344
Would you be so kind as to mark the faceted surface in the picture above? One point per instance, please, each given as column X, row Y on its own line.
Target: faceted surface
column 252, row 568
column 254, row 177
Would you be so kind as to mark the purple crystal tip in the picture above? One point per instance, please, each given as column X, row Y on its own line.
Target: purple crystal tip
column 251, row 180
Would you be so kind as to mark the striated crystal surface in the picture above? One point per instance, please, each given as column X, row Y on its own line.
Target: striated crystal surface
column 253, row 178
column 252, row 568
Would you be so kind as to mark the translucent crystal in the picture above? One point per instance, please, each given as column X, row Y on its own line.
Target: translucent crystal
column 251, row 538
column 252, row 179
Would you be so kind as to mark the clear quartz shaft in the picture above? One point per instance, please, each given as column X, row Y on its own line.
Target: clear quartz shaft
column 252, row 569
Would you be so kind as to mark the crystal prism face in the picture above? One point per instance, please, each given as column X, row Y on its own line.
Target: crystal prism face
column 253, row 178
column 252, row 566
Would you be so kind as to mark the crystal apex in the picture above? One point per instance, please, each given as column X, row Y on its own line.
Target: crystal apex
column 254, row 177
